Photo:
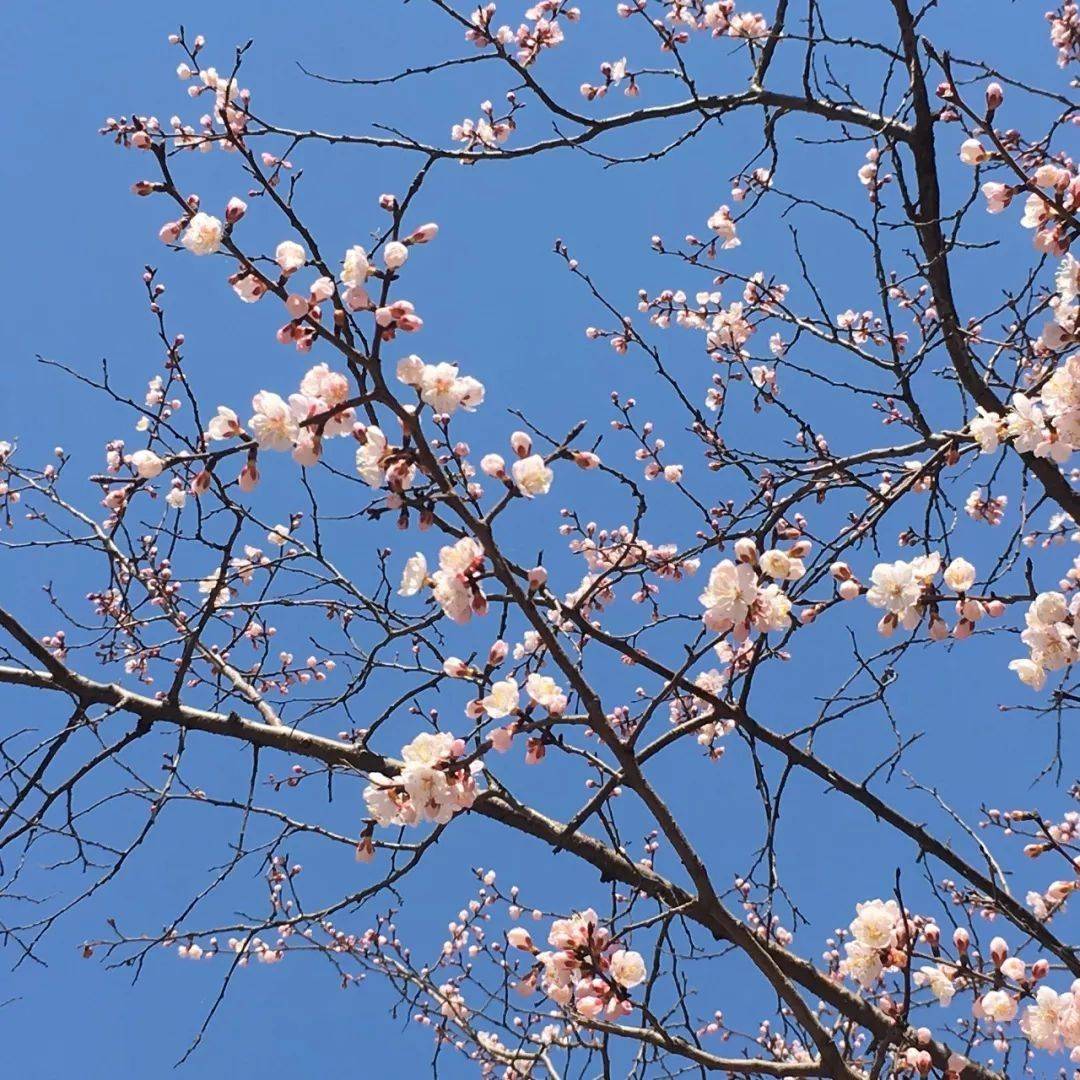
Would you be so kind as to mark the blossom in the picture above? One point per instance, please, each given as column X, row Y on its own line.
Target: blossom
column 782, row 566
column 1067, row 278
column 1041, row 1022
column 627, row 968
column 147, row 464
column 861, row 964
column 545, row 691
column 445, row 391
column 723, row 225
column 747, row 25
column 939, row 979
column 998, row 196
column 279, row 535
column 453, row 596
column 414, row 575
column 290, row 256
column 395, row 255
column 370, row 455
column 325, row 390
column 960, row 575
column 503, row 699
column 428, row 749
column 874, row 926
column 429, row 787
column 1025, row 424
column 224, row 425
column 894, row 588
column 986, row 430
column 214, row 585
column 492, row 465
column 273, row 425
column 998, row 1006
column 203, row 234
column 532, row 476
column 356, row 268
column 972, row 152
column 455, row 588
column 729, row 594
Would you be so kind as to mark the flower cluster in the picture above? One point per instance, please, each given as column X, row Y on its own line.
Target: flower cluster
column 585, row 968
column 736, row 600
column 1050, row 636
column 432, row 784
column 907, row 592
column 455, row 585
column 440, row 385
column 877, row 935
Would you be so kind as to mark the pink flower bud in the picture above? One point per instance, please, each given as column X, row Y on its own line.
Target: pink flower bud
column 521, row 444
column 999, row 949
column 235, row 209
column 321, row 290
column 502, row 738
column 746, row 550
column 296, row 305
column 994, row 96
column 519, row 938
column 425, row 233
column 249, row 476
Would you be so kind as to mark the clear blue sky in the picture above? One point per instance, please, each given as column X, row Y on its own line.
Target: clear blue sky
column 495, row 299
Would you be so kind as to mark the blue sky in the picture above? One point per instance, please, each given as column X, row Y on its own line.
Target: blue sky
column 497, row 300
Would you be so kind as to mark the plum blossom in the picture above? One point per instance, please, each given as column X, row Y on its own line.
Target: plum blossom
column 1050, row 636
column 939, row 979
column 377, row 463
column 875, row 923
column 723, row 225
column 546, row 692
column 414, row 575
column 895, row 588
column 503, row 699
column 959, row 575
column 532, row 476
column 430, row 787
column 203, row 234
column 861, row 964
column 627, row 968
column 972, row 152
column 998, row 1006
column 734, row 600
column 147, row 464
column 456, row 586
column 355, row 267
column 586, row 969
column 395, row 255
column 273, row 425
column 290, row 256
column 440, row 385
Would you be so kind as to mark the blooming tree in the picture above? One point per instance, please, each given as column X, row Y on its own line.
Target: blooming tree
column 432, row 636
